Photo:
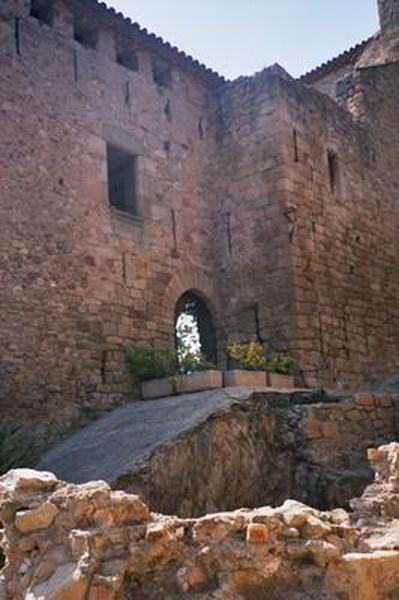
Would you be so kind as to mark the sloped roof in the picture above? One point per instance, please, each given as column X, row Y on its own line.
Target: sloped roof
column 349, row 57
column 153, row 42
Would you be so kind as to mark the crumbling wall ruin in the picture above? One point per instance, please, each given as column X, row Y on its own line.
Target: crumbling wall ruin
column 68, row 541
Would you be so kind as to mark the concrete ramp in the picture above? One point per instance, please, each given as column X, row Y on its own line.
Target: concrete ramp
column 123, row 440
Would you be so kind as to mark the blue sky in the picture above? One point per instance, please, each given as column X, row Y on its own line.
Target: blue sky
column 238, row 37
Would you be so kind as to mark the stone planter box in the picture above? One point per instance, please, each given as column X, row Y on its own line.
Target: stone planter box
column 204, row 380
column 186, row 384
column 277, row 380
column 239, row 377
column 156, row 388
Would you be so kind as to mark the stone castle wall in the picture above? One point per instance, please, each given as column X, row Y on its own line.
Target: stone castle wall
column 235, row 202
column 79, row 280
column 252, row 242
column 344, row 247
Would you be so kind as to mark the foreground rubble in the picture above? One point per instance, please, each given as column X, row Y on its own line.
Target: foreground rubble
column 77, row 542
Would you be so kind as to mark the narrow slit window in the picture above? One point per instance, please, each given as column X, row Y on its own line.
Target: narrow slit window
column 333, row 174
column 168, row 111
column 42, row 10
column 85, row 36
column 201, row 128
column 162, row 75
column 295, row 143
column 129, row 60
column 121, row 167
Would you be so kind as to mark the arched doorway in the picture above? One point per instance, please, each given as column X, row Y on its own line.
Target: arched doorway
column 194, row 328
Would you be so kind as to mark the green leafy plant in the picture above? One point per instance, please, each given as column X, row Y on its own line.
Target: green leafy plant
column 250, row 356
column 281, row 363
column 194, row 362
column 148, row 361
column 175, row 381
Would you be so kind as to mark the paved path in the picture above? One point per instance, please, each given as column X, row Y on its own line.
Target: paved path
column 121, row 441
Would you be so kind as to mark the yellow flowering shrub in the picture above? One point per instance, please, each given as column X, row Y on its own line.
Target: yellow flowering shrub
column 250, row 356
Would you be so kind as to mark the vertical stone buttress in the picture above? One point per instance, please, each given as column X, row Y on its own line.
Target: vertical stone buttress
column 389, row 16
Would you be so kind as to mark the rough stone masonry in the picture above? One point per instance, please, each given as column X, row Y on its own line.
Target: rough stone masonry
column 87, row 542
column 130, row 174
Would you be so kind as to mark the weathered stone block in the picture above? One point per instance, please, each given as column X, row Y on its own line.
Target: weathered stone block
column 365, row 399
column 257, row 533
column 37, row 518
column 329, row 429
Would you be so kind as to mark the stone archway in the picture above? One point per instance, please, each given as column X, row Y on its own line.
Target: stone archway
column 194, row 325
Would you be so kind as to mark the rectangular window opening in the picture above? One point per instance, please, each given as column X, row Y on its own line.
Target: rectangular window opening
column 121, row 167
column 42, row 10
column 332, row 158
column 162, row 75
column 129, row 60
column 85, row 36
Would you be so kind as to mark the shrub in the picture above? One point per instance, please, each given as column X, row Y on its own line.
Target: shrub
column 149, row 361
column 281, row 363
column 195, row 362
column 250, row 356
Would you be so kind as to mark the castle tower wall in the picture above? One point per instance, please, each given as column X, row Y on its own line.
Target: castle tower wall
column 389, row 16
column 344, row 247
column 253, row 224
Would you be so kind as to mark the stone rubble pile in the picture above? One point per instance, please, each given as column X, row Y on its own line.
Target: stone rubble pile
column 87, row 542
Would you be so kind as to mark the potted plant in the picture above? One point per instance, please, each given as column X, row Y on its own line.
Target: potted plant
column 161, row 374
column 280, row 371
column 251, row 362
column 154, row 367
column 198, row 373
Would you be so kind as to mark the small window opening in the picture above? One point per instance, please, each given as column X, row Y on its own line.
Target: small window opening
column 126, row 89
column 162, row 75
column 332, row 158
column 168, row 111
column 42, row 10
column 201, row 129
column 129, row 60
column 122, row 179
column 86, row 36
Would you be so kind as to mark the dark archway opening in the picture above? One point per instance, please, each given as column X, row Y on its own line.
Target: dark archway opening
column 194, row 328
